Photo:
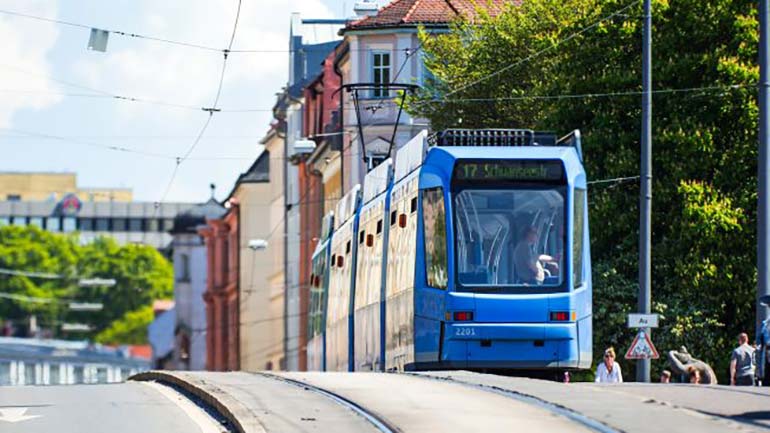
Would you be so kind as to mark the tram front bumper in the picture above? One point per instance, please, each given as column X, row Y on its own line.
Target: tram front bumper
column 510, row 345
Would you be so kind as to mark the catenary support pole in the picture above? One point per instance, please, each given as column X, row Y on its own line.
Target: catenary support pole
column 763, row 209
column 645, row 229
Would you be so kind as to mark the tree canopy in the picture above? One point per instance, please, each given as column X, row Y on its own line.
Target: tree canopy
column 565, row 64
column 141, row 273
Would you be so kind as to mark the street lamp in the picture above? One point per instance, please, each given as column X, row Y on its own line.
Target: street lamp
column 304, row 146
column 257, row 244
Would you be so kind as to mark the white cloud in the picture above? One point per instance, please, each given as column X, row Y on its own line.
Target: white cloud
column 24, row 69
column 151, row 70
column 189, row 76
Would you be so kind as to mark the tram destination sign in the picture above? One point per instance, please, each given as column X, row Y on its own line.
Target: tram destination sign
column 520, row 170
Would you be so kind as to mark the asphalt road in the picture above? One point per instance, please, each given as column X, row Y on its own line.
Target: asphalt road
column 116, row 408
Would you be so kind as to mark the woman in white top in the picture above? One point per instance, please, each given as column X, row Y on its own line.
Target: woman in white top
column 609, row 370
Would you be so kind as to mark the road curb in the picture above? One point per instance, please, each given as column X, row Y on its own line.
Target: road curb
column 231, row 409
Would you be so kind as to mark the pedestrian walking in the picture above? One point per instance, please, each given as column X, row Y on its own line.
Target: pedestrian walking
column 742, row 364
column 609, row 371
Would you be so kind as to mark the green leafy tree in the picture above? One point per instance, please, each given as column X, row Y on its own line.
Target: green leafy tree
column 129, row 329
column 141, row 273
column 566, row 65
column 31, row 249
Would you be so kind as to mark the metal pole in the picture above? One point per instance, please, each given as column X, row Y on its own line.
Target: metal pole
column 645, row 230
column 763, row 209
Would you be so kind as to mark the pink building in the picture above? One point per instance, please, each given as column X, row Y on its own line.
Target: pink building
column 221, row 296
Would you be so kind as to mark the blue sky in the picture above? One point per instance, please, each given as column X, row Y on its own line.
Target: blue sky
column 38, row 58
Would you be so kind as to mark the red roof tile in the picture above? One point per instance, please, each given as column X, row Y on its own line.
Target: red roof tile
column 414, row 12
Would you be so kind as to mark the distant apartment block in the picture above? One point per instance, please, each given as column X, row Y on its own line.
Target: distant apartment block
column 32, row 186
column 52, row 202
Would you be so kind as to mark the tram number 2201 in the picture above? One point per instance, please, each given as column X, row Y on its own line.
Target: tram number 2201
column 465, row 332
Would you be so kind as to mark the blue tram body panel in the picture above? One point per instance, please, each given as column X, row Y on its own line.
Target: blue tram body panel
column 340, row 330
column 369, row 308
column 482, row 260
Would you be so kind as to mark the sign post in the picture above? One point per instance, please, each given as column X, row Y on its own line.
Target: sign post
column 642, row 347
column 645, row 229
column 642, row 320
column 763, row 189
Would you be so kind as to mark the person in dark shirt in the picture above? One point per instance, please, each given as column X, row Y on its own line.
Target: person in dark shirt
column 742, row 363
column 529, row 264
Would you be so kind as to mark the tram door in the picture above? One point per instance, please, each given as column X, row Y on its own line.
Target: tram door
column 432, row 274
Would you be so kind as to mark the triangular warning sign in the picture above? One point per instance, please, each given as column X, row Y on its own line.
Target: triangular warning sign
column 642, row 348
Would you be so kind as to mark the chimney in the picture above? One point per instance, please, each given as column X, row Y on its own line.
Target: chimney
column 365, row 8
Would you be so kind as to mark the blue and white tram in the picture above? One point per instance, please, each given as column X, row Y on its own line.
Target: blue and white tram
column 342, row 278
column 369, row 299
column 475, row 255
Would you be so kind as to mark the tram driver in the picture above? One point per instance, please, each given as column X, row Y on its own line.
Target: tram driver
column 528, row 263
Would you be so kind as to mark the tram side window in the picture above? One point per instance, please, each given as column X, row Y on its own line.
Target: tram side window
column 434, row 225
column 577, row 237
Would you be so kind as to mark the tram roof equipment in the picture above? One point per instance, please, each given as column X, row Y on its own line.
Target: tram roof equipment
column 504, row 138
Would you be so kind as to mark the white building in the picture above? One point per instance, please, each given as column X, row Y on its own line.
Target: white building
column 382, row 48
column 131, row 222
column 189, row 257
column 305, row 61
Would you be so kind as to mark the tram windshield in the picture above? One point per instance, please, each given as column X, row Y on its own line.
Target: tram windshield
column 510, row 238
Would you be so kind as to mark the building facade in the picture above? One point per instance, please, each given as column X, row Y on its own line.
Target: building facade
column 274, row 143
column 126, row 222
column 380, row 49
column 251, row 196
column 305, row 62
column 221, row 296
column 323, row 124
column 320, row 171
column 42, row 186
column 190, row 276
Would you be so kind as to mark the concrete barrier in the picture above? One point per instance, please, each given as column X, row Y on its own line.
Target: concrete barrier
column 237, row 414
